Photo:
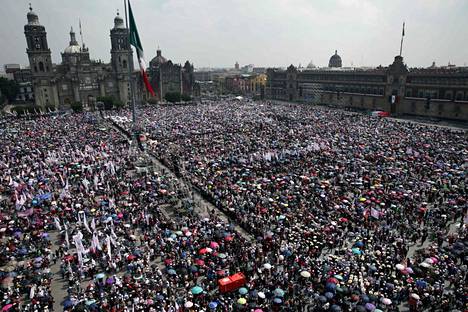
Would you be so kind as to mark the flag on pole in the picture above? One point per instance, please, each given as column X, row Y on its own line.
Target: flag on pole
column 403, row 33
column 135, row 41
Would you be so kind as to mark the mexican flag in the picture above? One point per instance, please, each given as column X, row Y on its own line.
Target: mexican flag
column 135, row 41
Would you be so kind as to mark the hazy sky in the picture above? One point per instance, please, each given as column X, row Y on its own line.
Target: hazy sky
column 261, row 32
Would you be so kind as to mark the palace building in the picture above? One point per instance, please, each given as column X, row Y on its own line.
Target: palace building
column 430, row 92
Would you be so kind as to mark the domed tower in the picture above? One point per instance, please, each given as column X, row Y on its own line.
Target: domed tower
column 121, row 57
column 38, row 49
column 74, row 53
column 158, row 60
column 335, row 60
column 120, row 46
column 40, row 61
column 73, row 47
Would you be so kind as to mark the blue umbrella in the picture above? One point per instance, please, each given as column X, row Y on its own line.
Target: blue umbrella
column 160, row 297
column 329, row 295
column 243, row 291
column 196, row 290
column 356, row 251
column 23, row 251
column 277, row 300
column 421, row 283
column 359, row 244
column 287, row 253
column 171, row 272
column 330, row 286
column 278, row 292
column 335, row 308
column 100, row 275
column 212, row 305
column 193, row 269
column 322, row 299
column 90, row 302
column 67, row 303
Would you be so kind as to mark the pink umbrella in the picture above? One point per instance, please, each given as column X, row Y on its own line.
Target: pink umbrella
column 7, row 307
column 214, row 245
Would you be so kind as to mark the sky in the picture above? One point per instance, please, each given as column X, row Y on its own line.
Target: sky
column 266, row 33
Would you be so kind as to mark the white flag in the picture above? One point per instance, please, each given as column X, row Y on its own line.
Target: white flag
column 57, row 224
column 109, row 247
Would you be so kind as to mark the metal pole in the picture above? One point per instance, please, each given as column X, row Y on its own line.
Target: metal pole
column 130, row 69
column 402, row 36
column 401, row 45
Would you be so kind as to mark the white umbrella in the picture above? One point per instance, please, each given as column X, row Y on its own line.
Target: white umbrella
column 267, row 266
column 188, row 304
column 415, row 296
column 305, row 274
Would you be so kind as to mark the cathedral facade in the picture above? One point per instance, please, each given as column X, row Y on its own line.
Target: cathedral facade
column 165, row 76
column 78, row 78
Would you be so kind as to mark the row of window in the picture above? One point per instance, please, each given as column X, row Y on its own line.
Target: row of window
column 438, row 81
column 361, row 78
column 438, row 94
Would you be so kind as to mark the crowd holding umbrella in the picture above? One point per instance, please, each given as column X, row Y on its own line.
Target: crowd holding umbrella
column 333, row 202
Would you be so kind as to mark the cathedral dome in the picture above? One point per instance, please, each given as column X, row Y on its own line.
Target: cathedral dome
column 33, row 19
column 74, row 47
column 119, row 22
column 335, row 60
column 158, row 59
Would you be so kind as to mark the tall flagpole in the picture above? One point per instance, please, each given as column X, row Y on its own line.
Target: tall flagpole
column 130, row 68
column 402, row 36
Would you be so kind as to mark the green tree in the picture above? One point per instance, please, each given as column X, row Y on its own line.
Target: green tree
column 25, row 109
column 108, row 101
column 77, row 107
column 9, row 88
column 118, row 104
column 172, row 97
column 186, row 98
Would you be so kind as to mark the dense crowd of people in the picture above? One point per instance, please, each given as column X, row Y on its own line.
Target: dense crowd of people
column 344, row 212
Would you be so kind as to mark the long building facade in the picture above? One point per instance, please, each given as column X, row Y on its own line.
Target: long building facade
column 78, row 78
column 431, row 92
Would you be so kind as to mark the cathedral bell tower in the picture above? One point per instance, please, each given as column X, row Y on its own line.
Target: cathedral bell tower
column 40, row 61
column 38, row 49
column 120, row 51
column 121, row 57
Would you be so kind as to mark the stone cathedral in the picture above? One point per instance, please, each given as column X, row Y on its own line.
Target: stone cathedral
column 78, row 78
